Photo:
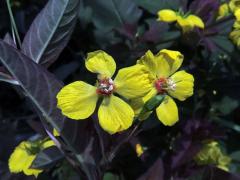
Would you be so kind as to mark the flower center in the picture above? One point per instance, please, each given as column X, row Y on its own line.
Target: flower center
column 164, row 84
column 105, row 86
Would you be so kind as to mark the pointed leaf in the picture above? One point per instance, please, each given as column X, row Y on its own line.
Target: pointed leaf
column 47, row 158
column 37, row 83
column 50, row 31
column 8, row 39
column 114, row 13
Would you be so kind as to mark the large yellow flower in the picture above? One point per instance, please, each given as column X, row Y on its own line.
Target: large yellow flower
column 166, row 81
column 24, row 154
column 78, row 100
column 186, row 21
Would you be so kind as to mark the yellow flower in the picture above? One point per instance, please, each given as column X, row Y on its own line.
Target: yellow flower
column 223, row 11
column 139, row 149
column 78, row 100
column 55, row 132
column 211, row 153
column 234, row 5
column 186, row 21
column 24, row 154
column 166, row 81
column 235, row 34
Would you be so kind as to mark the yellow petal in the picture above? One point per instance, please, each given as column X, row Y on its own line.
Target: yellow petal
column 150, row 62
column 27, row 171
column 151, row 94
column 223, row 10
column 77, row 100
column 133, row 82
column 237, row 14
column 174, row 60
column 185, row 24
column 167, row 112
column 100, row 62
column 167, row 15
column 47, row 144
column 56, row 133
column 196, row 21
column 234, row 5
column 184, row 85
column 20, row 160
column 115, row 115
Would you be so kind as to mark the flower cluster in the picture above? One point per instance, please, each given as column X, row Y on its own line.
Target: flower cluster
column 151, row 76
column 186, row 21
column 211, row 153
column 24, row 154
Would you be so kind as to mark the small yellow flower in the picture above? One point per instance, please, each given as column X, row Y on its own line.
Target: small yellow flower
column 78, row 100
column 211, row 153
column 235, row 34
column 139, row 149
column 223, row 11
column 56, row 133
column 234, row 5
column 24, row 154
column 186, row 21
column 166, row 81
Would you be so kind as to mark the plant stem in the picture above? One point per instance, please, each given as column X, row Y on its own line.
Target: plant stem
column 112, row 154
column 13, row 24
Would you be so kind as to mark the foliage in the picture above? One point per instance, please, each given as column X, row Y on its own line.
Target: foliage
column 55, row 37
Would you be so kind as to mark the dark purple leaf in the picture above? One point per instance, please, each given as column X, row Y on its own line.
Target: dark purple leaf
column 50, row 31
column 47, row 158
column 9, row 40
column 216, row 173
column 41, row 88
column 206, row 9
column 114, row 13
column 155, row 172
column 38, row 84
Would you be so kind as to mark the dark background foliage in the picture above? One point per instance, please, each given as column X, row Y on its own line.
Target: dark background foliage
column 126, row 29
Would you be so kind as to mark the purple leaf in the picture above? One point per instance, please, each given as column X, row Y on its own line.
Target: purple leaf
column 9, row 40
column 155, row 172
column 51, row 31
column 37, row 83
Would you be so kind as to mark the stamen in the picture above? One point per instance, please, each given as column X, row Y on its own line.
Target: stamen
column 105, row 86
column 164, row 84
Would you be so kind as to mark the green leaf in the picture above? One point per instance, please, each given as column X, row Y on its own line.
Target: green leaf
column 235, row 156
column 110, row 176
column 153, row 6
column 47, row 158
column 113, row 13
column 223, row 43
column 151, row 104
column 226, row 105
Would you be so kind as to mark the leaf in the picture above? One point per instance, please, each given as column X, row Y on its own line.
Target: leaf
column 41, row 87
column 9, row 40
column 47, row 158
column 235, row 156
column 154, row 6
column 51, row 31
column 222, row 43
column 155, row 172
column 36, row 83
column 114, row 13
column 226, row 105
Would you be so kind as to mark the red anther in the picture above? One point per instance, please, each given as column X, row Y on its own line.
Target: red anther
column 160, row 85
